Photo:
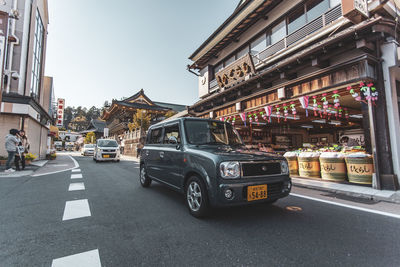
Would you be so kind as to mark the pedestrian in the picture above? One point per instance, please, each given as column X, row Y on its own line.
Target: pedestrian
column 138, row 149
column 122, row 146
column 11, row 143
column 22, row 149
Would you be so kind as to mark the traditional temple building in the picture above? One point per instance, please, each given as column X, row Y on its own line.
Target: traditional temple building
column 120, row 113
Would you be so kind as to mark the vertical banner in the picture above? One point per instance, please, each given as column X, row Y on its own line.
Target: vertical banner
column 60, row 112
column 3, row 40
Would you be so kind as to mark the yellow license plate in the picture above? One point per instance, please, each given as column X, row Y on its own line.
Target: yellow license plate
column 256, row 192
column 106, row 156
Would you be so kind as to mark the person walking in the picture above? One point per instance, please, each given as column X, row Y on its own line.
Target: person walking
column 22, row 149
column 11, row 147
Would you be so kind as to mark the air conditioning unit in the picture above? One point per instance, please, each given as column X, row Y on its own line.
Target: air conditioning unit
column 355, row 10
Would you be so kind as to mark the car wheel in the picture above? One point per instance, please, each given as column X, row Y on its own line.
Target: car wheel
column 196, row 197
column 145, row 181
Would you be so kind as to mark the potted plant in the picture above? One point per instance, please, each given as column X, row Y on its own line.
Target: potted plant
column 29, row 157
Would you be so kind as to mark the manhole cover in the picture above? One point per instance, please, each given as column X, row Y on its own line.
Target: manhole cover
column 294, row 208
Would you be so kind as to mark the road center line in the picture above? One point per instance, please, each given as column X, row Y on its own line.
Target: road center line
column 76, row 176
column 85, row 259
column 76, row 209
column 76, row 186
column 397, row 216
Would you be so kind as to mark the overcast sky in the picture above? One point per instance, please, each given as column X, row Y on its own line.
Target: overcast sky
column 98, row 50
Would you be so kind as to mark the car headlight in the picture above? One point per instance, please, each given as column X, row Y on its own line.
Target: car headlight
column 284, row 167
column 229, row 169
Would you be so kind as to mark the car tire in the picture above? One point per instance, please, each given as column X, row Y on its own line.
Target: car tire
column 144, row 180
column 196, row 197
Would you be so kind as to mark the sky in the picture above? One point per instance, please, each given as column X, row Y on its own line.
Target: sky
column 98, row 50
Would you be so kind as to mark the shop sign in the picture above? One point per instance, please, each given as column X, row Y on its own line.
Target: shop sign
column 60, row 112
column 354, row 10
column 236, row 72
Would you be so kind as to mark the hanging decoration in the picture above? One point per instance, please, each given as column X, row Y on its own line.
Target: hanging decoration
column 285, row 111
column 340, row 111
column 243, row 117
column 304, row 103
column 278, row 112
column 256, row 118
column 233, row 121
column 325, row 103
column 353, row 93
column 346, row 113
column 336, row 99
column 315, row 105
column 293, row 107
column 369, row 91
column 250, row 118
column 268, row 112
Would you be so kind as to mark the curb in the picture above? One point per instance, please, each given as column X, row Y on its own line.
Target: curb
column 349, row 190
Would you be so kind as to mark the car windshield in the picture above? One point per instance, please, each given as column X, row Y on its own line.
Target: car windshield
column 89, row 146
column 200, row 132
column 107, row 143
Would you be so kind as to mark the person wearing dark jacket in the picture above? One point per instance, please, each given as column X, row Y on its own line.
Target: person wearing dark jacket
column 22, row 150
column 11, row 143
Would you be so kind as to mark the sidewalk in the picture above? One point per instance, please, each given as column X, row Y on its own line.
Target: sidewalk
column 350, row 190
column 43, row 167
column 129, row 158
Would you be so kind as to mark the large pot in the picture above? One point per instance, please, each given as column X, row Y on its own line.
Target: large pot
column 309, row 165
column 333, row 168
column 291, row 158
column 360, row 169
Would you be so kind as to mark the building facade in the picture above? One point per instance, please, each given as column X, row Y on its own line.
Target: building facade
column 26, row 103
column 307, row 74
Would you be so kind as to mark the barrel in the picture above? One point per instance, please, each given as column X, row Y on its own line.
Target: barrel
column 333, row 169
column 309, row 167
column 293, row 166
column 360, row 169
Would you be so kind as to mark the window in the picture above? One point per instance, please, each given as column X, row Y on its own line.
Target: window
column 242, row 52
column 258, row 45
column 316, row 8
column 334, row 3
column 172, row 130
column 229, row 60
column 278, row 32
column 155, row 136
column 37, row 57
column 296, row 20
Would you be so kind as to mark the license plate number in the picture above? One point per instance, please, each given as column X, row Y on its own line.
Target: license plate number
column 257, row 192
column 106, row 156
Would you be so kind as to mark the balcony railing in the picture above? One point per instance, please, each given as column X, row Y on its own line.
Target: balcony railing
column 313, row 26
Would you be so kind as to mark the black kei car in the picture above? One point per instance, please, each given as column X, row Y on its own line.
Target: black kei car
column 208, row 162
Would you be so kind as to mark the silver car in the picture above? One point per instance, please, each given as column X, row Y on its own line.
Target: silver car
column 88, row 150
column 106, row 150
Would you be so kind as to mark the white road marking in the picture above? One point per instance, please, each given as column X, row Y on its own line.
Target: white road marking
column 76, row 170
column 76, row 176
column 76, row 209
column 397, row 216
column 85, row 259
column 76, row 186
column 47, row 173
column 60, row 165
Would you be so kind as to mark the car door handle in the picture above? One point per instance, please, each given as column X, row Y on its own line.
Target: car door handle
column 161, row 154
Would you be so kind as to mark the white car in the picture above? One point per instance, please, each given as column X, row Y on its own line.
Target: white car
column 106, row 150
column 88, row 150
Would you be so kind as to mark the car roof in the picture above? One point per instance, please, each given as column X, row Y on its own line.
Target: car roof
column 161, row 124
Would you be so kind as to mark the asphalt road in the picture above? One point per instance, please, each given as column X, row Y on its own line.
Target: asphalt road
column 130, row 226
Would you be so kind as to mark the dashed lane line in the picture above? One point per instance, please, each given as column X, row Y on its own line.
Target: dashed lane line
column 76, row 186
column 85, row 259
column 75, row 209
column 76, row 176
column 76, row 170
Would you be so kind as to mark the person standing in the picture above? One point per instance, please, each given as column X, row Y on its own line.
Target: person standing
column 122, row 146
column 22, row 149
column 11, row 147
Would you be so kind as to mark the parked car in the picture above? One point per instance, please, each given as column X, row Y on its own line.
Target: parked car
column 88, row 150
column 207, row 161
column 106, row 150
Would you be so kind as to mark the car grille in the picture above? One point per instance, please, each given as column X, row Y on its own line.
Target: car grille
column 274, row 190
column 260, row 169
column 109, row 150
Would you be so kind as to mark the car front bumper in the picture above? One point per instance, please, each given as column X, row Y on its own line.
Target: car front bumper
column 277, row 187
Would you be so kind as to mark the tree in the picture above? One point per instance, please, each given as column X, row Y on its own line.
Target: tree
column 170, row 113
column 90, row 138
column 140, row 119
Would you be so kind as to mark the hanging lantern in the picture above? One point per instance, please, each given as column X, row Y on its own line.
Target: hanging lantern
column 293, row 107
column 243, row 117
column 315, row 105
column 304, row 103
column 285, row 111
column 268, row 112
column 278, row 112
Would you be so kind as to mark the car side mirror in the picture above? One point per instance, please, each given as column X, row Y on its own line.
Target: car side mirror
column 172, row 140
